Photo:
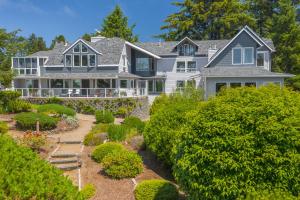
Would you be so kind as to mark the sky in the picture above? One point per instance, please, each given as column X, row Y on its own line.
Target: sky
column 73, row 18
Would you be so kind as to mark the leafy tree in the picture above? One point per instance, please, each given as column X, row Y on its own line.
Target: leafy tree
column 57, row 39
column 116, row 25
column 241, row 141
column 206, row 19
column 35, row 44
column 87, row 37
column 10, row 45
column 286, row 37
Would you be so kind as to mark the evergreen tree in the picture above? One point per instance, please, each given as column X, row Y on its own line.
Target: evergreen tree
column 35, row 44
column 87, row 37
column 206, row 19
column 57, row 39
column 116, row 25
column 285, row 33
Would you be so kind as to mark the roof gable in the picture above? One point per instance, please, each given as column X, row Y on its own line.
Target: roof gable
column 184, row 40
column 82, row 41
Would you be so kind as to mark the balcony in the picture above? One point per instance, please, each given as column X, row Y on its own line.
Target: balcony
column 28, row 66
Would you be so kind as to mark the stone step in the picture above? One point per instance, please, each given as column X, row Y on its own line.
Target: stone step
column 68, row 167
column 71, row 142
column 63, row 161
column 63, row 155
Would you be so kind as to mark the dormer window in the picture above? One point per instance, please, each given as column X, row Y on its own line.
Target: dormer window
column 84, row 49
column 187, row 50
column 77, row 48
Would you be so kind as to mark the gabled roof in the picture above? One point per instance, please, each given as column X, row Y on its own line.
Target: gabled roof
column 251, row 33
column 184, row 39
column 84, row 42
column 142, row 50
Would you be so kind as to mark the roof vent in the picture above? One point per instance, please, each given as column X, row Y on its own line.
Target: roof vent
column 97, row 38
column 212, row 50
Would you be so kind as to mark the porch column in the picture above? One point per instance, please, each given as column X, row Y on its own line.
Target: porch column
column 137, row 88
column 40, row 88
column 146, row 89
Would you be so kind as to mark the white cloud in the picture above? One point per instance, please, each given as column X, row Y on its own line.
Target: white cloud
column 68, row 11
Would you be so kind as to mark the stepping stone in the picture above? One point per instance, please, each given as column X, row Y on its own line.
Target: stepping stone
column 70, row 142
column 63, row 155
column 63, row 161
column 68, row 167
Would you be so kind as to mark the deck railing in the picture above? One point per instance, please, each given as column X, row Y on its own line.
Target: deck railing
column 81, row 92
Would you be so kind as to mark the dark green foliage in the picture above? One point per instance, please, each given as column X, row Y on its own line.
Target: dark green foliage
column 17, row 106
column 27, row 121
column 117, row 133
column 58, row 39
column 3, row 128
column 116, row 25
column 56, row 110
column 122, row 164
column 54, row 100
column 294, row 82
column 7, row 96
column 104, row 116
column 243, row 140
column 29, row 177
column 155, row 190
column 88, row 191
column 89, row 110
column 104, row 149
column 35, row 44
column 97, row 135
column 134, row 122
column 276, row 194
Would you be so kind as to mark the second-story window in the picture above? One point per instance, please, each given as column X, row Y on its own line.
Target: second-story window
column 187, row 50
column 180, row 67
column 84, row 49
column 191, row 67
column 76, row 60
column 84, row 60
column 77, row 49
column 243, row 56
column 144, row 64
column 248, row 55
column 92, row 60
column 237, row 56
column 68, row 60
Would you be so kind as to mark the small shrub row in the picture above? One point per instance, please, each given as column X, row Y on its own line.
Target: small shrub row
column 56, row 109
column 135, row 122
column 104, row 116
column 97, row 135
column 17, row 106
column 104, row 149
column 156, row 190
column 27, row 121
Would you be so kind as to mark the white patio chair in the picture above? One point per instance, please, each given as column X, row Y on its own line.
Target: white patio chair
column 77, row 92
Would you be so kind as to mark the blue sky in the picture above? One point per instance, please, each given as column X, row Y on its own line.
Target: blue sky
column 73, row 18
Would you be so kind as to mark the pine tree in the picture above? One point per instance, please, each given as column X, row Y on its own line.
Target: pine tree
column 207, row 19
column 57, row 39
column 285, row 34
column 116, row 25
column 35, row 44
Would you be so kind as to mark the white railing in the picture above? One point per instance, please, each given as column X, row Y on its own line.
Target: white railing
column 81, row 92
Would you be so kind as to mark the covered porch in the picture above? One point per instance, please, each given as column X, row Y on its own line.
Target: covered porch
column 81, row 88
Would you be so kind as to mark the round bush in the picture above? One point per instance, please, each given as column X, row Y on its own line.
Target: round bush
column 27, row 121
column 104, row 116
column 97, row 135
column 117, row 133
column 155, row 190
column 243, row 139
column 122, row 164
column 56, row 109
column 134, row 122
column 104, row 149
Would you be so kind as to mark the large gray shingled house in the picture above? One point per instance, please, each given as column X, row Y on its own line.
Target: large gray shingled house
column 113, row 67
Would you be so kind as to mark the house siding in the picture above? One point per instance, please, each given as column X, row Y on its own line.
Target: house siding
column 108, row 69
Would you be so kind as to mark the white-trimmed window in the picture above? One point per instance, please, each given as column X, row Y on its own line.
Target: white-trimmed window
column 191, row 66
column 237, row 56
column 76, row 60
column 123, row 83
column 249, row 55
column 84, row 60
column 187, row 50
column 68, row 61
column 76, row 49
column 180, row 84
column 180, row 67
column 84, row 48
column 143, row 64
column 92, row 60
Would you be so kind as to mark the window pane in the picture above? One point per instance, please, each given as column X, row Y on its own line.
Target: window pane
column 76, row 83
column 68, row 60
column 113, row 82
column 34, row 71
column 235, row 85
column 34, row 62
column 248, row 56
column 28, row 71
column 260, row 59
column 76, row 60
column 237, row 56
column 187, row 50
column 250, row 84
column 56, row 83
column 220, row 86
column 84, row 60
column 28, row 62
column 180, row 67
column 41, row 61
column 103, row 83
column 123, row 83
column 84, row 49
column 191, row 66
column 77, row 48
column 22, row 62
column 159, row 85
column 92, row 60
column 150, row 86
column 180, row 84
column 22, row 71
column 67, row 83
column 142, row 64
column 15, row 63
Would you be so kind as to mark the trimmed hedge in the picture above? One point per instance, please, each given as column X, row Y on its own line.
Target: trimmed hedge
column 24, row 175
column 104, row 116
column 97, row 135
column 122, row 164
column 27, row 121
column 117, row 133
column 56, row 109
column 156, row 190
column 134, row 122
column 104, row 149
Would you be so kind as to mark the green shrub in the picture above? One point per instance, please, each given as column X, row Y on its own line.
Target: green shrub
column 275, row 194
column 97, row 135
column 155, row 190
column 3, row 127
column 135, row 122
column 104, row 116
column 122, row 112
column 54, row 100
column 27, row 176
column 17, row 106
column 89, row 110
column 56, row 110
column 117, row 133
column 122, row 164
column 243, row 139
column 104, row 149
column 7, row 96
column 33, row 141
column 88, row 191
column 27, row 121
